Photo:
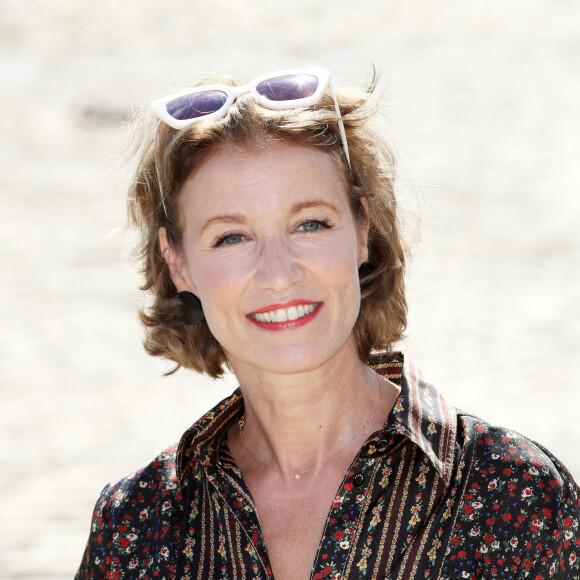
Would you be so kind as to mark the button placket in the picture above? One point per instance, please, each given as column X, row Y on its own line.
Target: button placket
column 341, row 531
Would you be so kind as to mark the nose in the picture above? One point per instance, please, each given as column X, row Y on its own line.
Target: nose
column 278, row 266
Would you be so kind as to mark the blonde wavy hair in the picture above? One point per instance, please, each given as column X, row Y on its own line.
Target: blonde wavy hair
column 165, row 161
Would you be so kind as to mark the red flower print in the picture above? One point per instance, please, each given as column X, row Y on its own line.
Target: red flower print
column 567, row 522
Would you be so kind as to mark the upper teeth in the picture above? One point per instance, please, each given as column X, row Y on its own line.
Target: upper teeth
column 285, row 314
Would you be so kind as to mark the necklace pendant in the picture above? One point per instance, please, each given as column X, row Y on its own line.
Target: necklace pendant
column 297, row 476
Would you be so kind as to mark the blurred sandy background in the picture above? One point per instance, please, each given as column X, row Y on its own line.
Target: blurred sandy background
column 485, row 113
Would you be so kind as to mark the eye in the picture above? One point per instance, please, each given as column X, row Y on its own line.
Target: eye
column 313, row 225
column 229, row 239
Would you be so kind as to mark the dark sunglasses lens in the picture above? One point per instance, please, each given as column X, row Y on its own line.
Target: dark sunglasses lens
column 288, row 88
column 196, row 105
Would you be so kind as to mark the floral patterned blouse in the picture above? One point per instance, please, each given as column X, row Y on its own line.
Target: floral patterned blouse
column 437, row 493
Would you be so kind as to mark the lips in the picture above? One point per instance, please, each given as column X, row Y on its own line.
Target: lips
column 277, row 317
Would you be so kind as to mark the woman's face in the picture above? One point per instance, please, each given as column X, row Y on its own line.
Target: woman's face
column 271, row 249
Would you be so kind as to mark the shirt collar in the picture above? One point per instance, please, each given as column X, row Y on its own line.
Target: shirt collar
column 420, row 413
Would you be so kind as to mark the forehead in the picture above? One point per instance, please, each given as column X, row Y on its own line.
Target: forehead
column 277, row 174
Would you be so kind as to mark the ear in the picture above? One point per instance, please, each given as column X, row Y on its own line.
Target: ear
column 363, row 233
column 175, row 262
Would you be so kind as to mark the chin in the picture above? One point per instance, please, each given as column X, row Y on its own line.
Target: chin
column 298, row 359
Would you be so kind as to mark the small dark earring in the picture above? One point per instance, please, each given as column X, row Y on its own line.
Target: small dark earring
column 191, row 309
column 365, row 269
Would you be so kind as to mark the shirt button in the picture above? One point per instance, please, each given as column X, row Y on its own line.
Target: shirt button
column 358, row 479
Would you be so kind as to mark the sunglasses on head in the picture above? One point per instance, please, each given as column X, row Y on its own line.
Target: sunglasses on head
column 280, row 90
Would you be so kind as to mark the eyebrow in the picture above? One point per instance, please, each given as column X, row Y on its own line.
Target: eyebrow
column 237, row 218
column 302, row 205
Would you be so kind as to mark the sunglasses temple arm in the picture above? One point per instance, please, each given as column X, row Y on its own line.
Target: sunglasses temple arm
column 166, row 208
column 340, row 124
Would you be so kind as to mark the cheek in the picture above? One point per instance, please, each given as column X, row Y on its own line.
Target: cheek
column 210, row 281
column 219, row 283
column 339, row 267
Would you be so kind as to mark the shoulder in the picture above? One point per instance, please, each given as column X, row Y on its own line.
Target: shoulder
column 519, row 502
column 134, row 520
column 507, row 456
column 136, row 493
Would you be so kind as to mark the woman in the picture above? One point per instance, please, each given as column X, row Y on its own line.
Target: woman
column 271, row 246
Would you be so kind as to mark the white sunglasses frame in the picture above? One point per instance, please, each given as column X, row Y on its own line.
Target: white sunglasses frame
column 159, row 106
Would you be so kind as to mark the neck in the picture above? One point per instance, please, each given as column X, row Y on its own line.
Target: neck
column 294, row 424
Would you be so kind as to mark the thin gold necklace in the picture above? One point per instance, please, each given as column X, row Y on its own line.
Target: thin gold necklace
column 299, row 474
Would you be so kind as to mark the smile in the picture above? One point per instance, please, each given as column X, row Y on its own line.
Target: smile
column 285, row 314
